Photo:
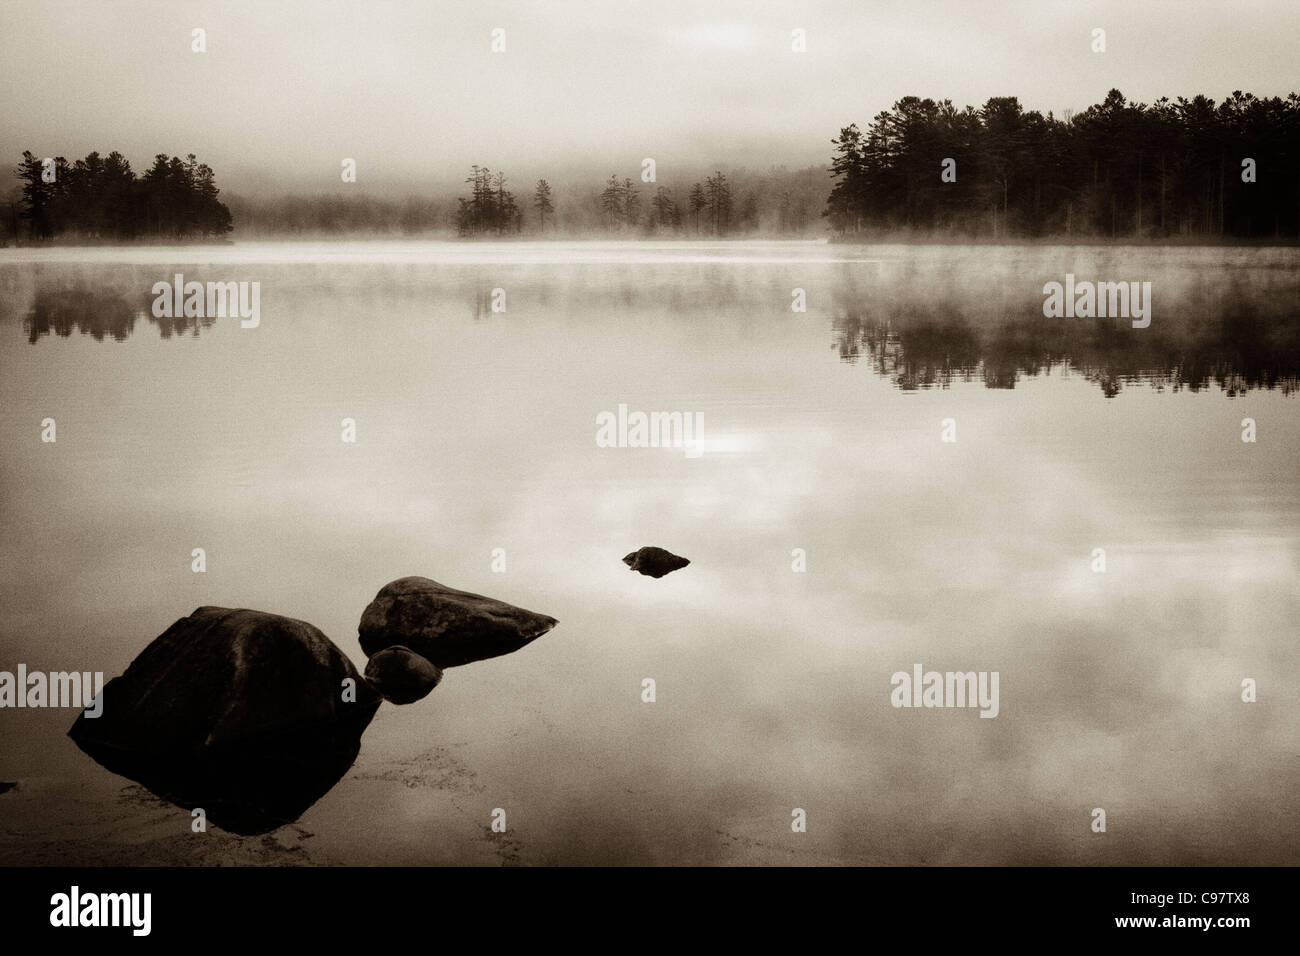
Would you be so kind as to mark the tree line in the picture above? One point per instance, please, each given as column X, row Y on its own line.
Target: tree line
column 1183, row 167
column 490, row 207
column 707, row 208
column 102, row 198
column 780, row 201
column 623, row 207
column 334, row 214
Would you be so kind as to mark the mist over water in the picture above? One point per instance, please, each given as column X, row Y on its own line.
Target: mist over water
column 476, row 431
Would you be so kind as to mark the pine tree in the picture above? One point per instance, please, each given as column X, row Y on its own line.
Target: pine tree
column 542, row 202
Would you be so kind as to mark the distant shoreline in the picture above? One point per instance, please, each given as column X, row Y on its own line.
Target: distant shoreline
column 1168, row 241
column 109, row 244
column 841, row 241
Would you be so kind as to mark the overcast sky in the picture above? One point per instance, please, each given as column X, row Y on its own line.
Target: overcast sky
column 413, row 91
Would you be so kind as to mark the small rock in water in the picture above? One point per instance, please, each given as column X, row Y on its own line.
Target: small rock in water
column 655, row 562
column 445, row 626
column 401, row 675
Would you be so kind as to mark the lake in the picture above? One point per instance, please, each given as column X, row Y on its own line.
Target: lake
column 917, row 469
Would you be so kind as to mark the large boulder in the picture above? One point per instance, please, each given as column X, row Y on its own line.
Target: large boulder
column 401, row 675
column 446, row 626
column 655, row 562
column 239, row 712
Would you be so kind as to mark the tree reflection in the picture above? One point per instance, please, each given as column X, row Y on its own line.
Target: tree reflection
column 1235, row 343
column 101, row 315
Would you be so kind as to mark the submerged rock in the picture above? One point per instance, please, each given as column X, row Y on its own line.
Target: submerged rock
column 239, row 712
column 401, row 675
column 446, row 626
column 655, row 562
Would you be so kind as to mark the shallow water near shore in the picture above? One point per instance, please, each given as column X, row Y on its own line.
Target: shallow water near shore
column 476, row 430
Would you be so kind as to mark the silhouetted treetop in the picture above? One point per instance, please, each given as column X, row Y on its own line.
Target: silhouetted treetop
column 1173, row 168
column 102, row 198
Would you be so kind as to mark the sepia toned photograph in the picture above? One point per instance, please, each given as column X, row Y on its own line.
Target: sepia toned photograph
column 649, row 434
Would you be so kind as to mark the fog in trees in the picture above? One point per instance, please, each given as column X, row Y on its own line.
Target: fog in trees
column 1178, row 169
column 542, row 202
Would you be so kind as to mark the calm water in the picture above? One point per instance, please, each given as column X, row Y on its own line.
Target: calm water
column 476, row 431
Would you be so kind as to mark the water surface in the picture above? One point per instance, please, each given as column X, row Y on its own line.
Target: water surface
column 476, row 431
